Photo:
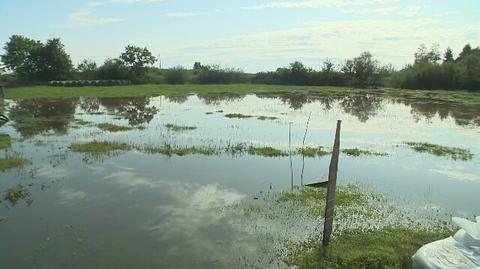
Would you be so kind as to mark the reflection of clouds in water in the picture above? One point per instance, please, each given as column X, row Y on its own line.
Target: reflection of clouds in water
column 189, row 220
column 58, row 172
column 71, row 196
column 457, row 174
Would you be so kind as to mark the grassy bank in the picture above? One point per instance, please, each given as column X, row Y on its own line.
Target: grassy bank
column 371, row 230
column 172, row 90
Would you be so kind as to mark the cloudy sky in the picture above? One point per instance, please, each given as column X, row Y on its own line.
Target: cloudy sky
column 250, row 34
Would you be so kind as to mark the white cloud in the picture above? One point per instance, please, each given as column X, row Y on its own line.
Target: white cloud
column 317, row 4
column 84, row 17
column 406, row 12
column 391, row 41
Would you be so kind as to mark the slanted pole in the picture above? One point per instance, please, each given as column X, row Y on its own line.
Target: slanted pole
column 331, row 188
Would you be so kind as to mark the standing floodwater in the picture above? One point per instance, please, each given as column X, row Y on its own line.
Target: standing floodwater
column 153, row 182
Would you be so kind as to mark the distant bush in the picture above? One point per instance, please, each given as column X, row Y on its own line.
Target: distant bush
column 175, row 75
column 214, row 74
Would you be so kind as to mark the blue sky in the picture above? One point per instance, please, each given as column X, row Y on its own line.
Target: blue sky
column 250, row 34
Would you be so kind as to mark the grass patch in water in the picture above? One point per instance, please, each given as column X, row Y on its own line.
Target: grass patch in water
column 179, row 128
column 180, row 151
column 81, row 122
column 390, row 247
column 266, row 151
column 438, row 150
column 100, row 147
column 18, row 193
column 238, row 116
column 10, row 162
column 109, row 127
column 313, row 151
column 356, row 152
column 267, row 118
column 5, row 141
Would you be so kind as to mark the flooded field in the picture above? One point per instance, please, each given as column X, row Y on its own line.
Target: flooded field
column 161, row 182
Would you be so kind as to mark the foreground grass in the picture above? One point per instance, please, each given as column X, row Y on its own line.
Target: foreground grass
column 109, row 127
column 266, row 151
column 5, row 141
column 438, row 150
column 313, row 151
column 370, row 229
column 10, row 162
column 18, row 193
column 100, row 147
column 390, row 247
column 176, row 90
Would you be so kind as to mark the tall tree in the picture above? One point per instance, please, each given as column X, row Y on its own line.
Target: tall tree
column 448, row 56
column 17, row 50
column 465, row 52
column 137, row 57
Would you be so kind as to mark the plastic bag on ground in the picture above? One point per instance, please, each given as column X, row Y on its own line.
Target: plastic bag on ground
column 462, row 251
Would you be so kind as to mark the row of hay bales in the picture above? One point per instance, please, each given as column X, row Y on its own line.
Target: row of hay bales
column 82, row 83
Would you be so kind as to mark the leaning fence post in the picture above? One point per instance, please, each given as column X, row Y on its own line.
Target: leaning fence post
column 332, row 186
column 2, row 91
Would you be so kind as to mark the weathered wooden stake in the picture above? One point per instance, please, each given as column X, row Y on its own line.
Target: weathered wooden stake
column 2, row 91
column 331, row 188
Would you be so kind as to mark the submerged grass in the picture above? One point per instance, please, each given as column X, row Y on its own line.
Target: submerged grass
column 5, row 141
column 18, row 193
column 179, row 151
column 438, row 150
column 313, row 151
column 267, row 118
column 238, row 116
column 179, row 128
column 100, row 147
column 82, row 122
column 266, row 151
column 109, row 127
column 356, row 152
column 12, row 161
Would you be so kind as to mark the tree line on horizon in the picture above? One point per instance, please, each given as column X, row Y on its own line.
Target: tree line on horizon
column 30, row 61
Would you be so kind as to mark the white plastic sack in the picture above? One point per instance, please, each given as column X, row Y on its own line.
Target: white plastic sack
column 462, row 251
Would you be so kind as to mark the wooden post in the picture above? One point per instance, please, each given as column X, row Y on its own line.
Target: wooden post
column 331, row 188
column 2, row 91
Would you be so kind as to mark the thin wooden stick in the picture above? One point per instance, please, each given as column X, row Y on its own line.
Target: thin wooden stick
column 290, row 152
column 332, row 186
column 303, row 146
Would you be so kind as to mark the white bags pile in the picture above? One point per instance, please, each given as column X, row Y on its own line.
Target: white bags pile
column 462, row 251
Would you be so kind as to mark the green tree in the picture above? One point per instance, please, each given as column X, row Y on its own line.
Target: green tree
column 87, row 69
column 113, row 69
column 17, row 50
column 137, row 57
column 465, row 52
column 448, row 56
column 423, row 55
column 53, row 61
column 364, row 70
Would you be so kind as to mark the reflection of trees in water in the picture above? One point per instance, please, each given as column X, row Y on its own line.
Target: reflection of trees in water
column 218, row 98
column 293, row 99
column 179, row 99
column 137, row 110
column 32, row 117
column 462, row 114
column 361, row 106
column 90, row 104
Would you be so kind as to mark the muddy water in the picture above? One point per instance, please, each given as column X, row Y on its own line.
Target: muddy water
column 136, row 210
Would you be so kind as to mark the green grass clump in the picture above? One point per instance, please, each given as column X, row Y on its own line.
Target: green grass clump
column 390, row 247
column 13, row 195
column 100, row 147
column 238, row 116
column 81, row 122
column 179, row 128
column 236, row 149
column 355, row 152
column 313, row 151
column 267, row 118
column 438, row 150
column 113, row 127
column 5, row 141
column 266, row 151
column 10, row 162
column 180, row 151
